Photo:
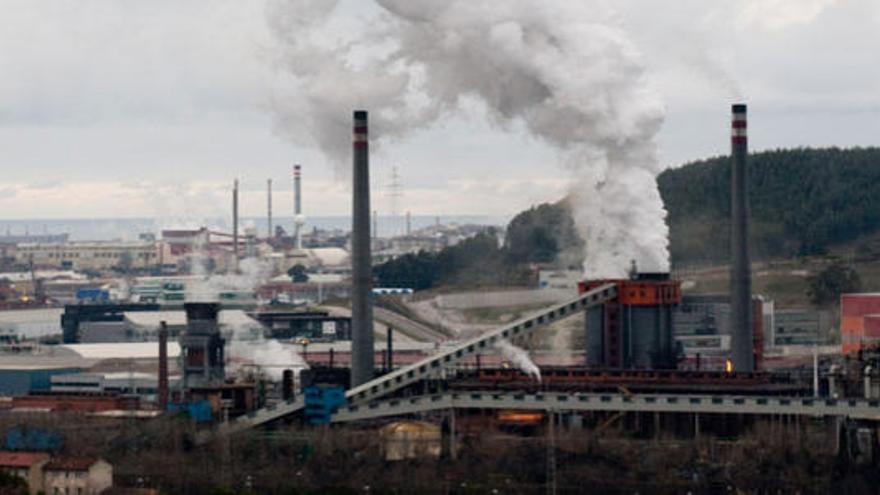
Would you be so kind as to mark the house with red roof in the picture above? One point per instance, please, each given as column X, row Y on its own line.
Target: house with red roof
column 27, row 466
column 77, row 476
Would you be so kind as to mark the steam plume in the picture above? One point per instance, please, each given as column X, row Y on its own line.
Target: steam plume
column 518, row 357
column 564, row 69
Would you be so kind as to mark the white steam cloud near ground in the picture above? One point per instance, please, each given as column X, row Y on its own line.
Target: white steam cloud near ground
column 518, row 357
column 564, row 71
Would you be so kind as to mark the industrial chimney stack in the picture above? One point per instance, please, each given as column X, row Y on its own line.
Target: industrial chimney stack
column 269, row 233
column 740, row 268
column 235, row 225
column 163, row 366
column 298, row 220
column 361, row 258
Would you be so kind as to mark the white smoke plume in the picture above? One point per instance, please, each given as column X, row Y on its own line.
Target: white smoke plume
column 270, row 356
column 207, row 286
column 518, row 357
column 564, row 69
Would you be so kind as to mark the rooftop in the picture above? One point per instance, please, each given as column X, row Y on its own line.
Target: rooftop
column 70, row 464
column 122, row 350
column 21, row 459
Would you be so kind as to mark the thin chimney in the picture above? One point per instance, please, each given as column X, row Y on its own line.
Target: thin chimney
column 297, row 205
column 163, row 366
column 361, row 265
column 235, row 224
column 269, row 233
column 740, row 268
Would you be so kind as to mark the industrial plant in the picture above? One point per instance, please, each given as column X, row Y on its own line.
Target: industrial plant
column 294, row 337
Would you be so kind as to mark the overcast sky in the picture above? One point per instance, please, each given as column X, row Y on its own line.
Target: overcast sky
column 123, row 108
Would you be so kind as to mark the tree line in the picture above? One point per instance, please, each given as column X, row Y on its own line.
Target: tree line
column 803, row 201
column 538, row 235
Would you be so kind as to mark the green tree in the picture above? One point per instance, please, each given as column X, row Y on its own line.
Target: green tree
column 298, row 274
column 12, row 485
column 802, row 202
column 541, row 233
column 826, row 286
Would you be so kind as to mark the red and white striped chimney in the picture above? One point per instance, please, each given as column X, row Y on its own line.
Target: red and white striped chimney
column 742, row 343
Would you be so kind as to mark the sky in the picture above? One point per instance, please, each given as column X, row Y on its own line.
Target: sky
column 123, row 108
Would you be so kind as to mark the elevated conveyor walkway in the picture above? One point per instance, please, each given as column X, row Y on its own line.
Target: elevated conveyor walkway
column 431, row 366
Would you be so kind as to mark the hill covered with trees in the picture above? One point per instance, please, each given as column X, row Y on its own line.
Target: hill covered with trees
column 541, row 234
column 802, row 202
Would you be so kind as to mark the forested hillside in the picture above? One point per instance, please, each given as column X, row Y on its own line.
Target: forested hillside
column 803, row 201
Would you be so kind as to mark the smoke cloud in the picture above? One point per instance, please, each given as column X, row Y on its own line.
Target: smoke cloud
column 565, row 71
column 519, row 357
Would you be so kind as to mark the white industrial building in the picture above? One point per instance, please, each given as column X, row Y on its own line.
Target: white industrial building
column 89, row 255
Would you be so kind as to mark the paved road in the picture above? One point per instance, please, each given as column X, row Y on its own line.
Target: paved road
column 409, row 327
column 406, row 330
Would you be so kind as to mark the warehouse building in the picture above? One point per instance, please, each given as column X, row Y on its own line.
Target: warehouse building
column 23, row 379
column 89, row 255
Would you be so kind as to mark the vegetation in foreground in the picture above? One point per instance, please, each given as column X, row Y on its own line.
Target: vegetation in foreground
column 160, row 454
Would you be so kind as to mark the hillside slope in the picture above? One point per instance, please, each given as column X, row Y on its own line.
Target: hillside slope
column 803, row 201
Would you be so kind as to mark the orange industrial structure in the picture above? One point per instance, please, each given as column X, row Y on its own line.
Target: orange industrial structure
column 635, row 329
column 640, row 292
column 859, row 321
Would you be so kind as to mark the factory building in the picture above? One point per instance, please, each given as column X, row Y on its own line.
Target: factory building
column 703, row 331
column 22, row 379
column 89, row 255
column 145, row 385
column 635, row 329
column 859, row 321
column 652, row 326
column 799, row 327
column 559, row 279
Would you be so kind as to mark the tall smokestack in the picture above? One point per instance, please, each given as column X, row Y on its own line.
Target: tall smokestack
column 269, row 233
column 740, row 268
column 408, row 224
column 235, row 223
column 361, row 258
column 298, row 220
column 163, row 366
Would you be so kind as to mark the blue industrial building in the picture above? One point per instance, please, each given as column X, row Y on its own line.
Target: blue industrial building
column 23, row 379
